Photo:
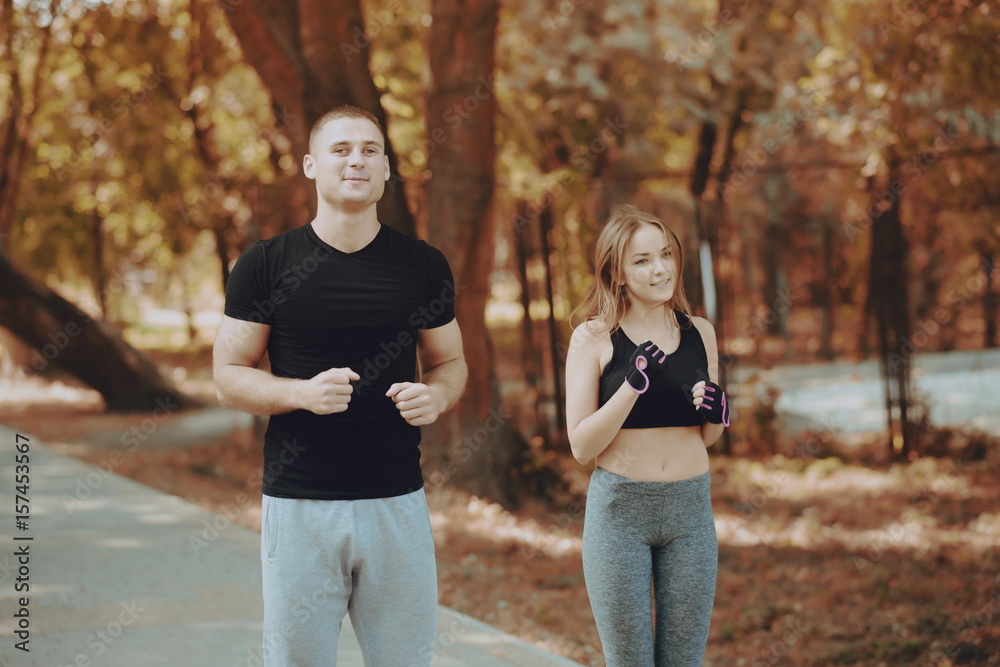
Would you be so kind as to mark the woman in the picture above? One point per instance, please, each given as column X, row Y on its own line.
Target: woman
column 646, row 413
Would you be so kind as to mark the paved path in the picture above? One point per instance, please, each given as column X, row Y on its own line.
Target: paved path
column 959, row 388
column 121, row 580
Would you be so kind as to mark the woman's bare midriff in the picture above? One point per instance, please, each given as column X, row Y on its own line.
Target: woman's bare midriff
column 665, row 454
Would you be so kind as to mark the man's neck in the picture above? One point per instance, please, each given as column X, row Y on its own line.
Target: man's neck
column 346, row 231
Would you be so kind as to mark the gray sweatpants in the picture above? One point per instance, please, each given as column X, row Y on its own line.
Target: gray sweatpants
column 373, row 559
column 635, row 532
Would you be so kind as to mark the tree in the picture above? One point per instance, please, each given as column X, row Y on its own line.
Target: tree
column 312, row 55
column 16, row 120
column 60, row 333
column 947, row 52
column 93, row 351
column 460, row 120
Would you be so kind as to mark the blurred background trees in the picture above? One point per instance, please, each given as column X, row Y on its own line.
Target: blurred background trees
column 827, row 164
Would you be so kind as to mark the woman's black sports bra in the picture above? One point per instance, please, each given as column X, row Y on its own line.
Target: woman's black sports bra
column 668, row 400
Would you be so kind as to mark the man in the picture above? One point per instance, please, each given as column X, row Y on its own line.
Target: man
column 343, row 306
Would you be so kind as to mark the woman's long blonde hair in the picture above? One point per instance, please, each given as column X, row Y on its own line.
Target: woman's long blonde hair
column 608, row 299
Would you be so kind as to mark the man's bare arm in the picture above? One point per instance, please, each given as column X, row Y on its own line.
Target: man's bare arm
column 240, row 385
column 443, row 377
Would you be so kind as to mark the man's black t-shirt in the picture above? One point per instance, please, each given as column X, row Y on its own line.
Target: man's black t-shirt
column 330, row 309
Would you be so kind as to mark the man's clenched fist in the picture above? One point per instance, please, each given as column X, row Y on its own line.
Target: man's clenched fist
column 418, row 403
column 329, row 392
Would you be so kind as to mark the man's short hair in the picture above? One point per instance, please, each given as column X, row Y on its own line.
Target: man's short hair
column 343, row 111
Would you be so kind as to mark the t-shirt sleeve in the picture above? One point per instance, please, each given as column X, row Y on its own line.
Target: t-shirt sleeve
column 246, row 292
column 443, row 290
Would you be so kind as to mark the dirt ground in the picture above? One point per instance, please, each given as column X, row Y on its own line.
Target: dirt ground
column 821, row 561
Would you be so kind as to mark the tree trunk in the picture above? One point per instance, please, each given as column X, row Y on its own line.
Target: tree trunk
column 460, row 112
column 773, row 255
column 989, row 299
column 825, row 293
column 14, row 132
column 91, row 350
column 99, row 278
column 716, row 223
column 312, row 55
column 529, row 349
column 890, row 304
column 692, row 239
column 558, row 394
column 222, row 252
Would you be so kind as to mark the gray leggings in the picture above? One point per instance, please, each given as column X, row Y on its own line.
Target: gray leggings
column 637, row 531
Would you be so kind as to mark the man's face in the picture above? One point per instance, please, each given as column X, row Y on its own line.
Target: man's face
column 348, row 162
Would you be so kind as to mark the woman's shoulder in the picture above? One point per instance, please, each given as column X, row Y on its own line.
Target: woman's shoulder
column 702, row 324
column 591, row 332
column 705, row 329
column 592, row 327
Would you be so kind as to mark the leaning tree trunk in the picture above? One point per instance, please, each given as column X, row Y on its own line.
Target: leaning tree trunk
column 460, row 45
column 61, row 335
column 890, row 305
column 93, row 351
column 312, row 55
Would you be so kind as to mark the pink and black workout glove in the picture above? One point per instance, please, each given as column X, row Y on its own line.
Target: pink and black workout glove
column 714, row 406
column 647, row 362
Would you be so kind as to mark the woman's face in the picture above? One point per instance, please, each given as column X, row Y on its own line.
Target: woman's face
column 650, row 266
